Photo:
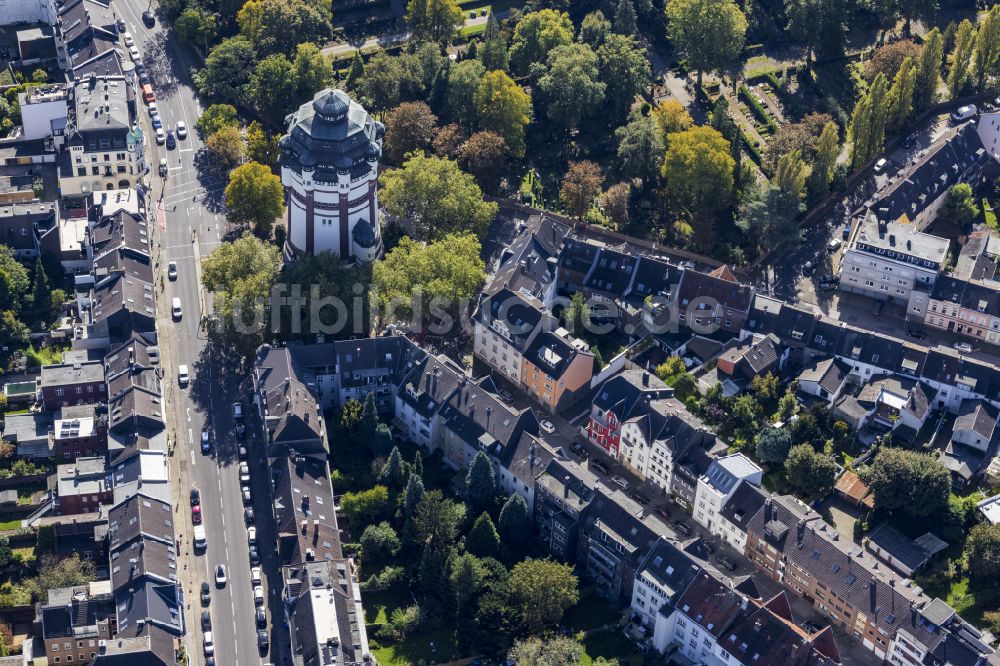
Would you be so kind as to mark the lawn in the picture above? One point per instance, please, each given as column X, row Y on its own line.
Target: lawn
column 990, row 215
column 608, row 644
column 590, row 613
column 968, row 602
column 416, row 649
column 10, row 525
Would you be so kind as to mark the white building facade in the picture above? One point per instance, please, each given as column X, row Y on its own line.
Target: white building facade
column 329, row 167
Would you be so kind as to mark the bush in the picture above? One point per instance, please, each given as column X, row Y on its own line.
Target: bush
column 758, row 109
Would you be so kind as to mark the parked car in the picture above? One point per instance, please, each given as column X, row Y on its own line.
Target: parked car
column 127, row 39
column 547, row 426
column 682, row 527
column 254, row 556
column 578, row 449
column 196, row 514
column 811, row 627
column 809, row 268
column 206, row 593
column 246, row 495
column 262, row 640
column 916, row 334
column 620, row 481
column 220, row 575
column 182, row 130
column 160, row 136
column 172, row 270
column 163, row 170
column 880, row 165
column 244, row 472
column 248, row 515
column 182, row 375
column 662, row 512
column 252, row 535
column 195, row 496
column 158, row 125
column 206, row 620
column 209, row 643
column 829, row 279
column 133, row 52
column 846, row 233
column 963, row 347
column 725, row 562
column 506, row 395
column 598, row 466
column 834, row 245
column 258, row 595
column 255, row 576
column 709, row 546
column 963, row 113
column 148, row 18
column 206, row 442
column 237, row 411
column 639, row 497
column 261, row 618
column 242, row 453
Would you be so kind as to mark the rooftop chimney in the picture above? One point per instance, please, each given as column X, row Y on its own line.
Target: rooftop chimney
column 566, row 487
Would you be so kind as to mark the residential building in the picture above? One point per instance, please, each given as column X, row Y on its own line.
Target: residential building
column 562, row 493
column 82, row 486
column 80, row 431
column 711, row 302
column 614, row 402
column 718, row 485
column 104, row 146
column 556, row 369
column 892, row 261
column 424, row 391
column 87, row 40
column 528, row 265
column 30, row 433
column 16, row 12
column 145, row 472
column 324, row 614
column 751, row 359
column 824, row 379
column 64, row 384
column 665, row 572
column 30, row 228
column 895, row 402
column 853, row 490
column 975, row 425
column 329, row 167
column 504, row 324
column 743, row 503
column 968, row 307
column 75, row 621
column 134, row 391
column 45, row 113
column 28, row 171
column 291, row 414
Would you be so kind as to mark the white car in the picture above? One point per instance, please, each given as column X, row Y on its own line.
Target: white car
column 246, row 496
column 258, row 595
column 220, row 575
column 209, row 643
column 963, row 347
column 182, row 130
column 547, row 426
column 255, row 576
column 160, row 136
column 182, row 375
column 172, row 270
column 244, row 473
column 134, row 52
column 153, row 109
column 251, row 535
column 127, row 38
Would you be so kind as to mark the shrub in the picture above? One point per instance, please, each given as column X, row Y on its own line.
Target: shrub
column 757, row 108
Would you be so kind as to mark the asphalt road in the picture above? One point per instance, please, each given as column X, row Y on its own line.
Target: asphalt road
column 186, row 206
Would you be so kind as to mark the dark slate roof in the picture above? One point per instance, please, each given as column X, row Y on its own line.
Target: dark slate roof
column 331, row 133
column 745, row 502
column 551, row 353
column 652, row 277
column 430, row 384
column 829, row 374
column 763, row 637
column 577, row 256
column 139, row 517
column 288, row 400
column 520, row 315
column 898, row 546
column 621, row 391
column 528, row 459
column 480, row 417
column 620, row 515
column 123, row 293
column 711, row 604
column 728, row 294
column 302, row 492
column 143, row 557
column 978, row 416
column 668, row 420
column 669, row 566
column 154, row 648
column 146, row 602
column 612, row 273
column 323, row 617
column 528, row 264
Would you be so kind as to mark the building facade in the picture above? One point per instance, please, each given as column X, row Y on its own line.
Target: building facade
column 329, row 167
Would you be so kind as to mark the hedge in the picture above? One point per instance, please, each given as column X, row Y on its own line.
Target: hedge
column 757, row 108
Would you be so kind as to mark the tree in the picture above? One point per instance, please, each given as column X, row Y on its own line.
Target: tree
column 57, row 573
column 437, row 519
column 215, row 118
column 321, row 279
column 624, row 69
column 790, row 174
column 961, row 58
column 365, row 507
column 698, row 168
column 802, row 136
column 514, row 522
column 6, row 552
column 448, row 141
column 410, row 126
column 674, row 374
column 536, row 34
column 493, row 52
column 381, row 443
column 987, row 57
column 594, row 29
column 272, row 88
column 261, row 146
column 535, row 651
column 773, row 445
column 570, row 89
column 671, row 116
column 625, row 19
column 480, row 482
column 485, row 156
column 313, row 71
column 928, row 70
column 412, row 495
column 413, row 275
column 436, row 198
column 812, row 474
column 788, row 404
column 541, row 591
column 983, row 548
column 960, row 205
column 379, row 543
column 356, row 72
column 463, row 82
column 827, row 151
column 241, row 273
column 393, row 474
column 900, row 100
column 368, row 421
column 916, row 10
column 819, row 24
column 641, row 148
column 226, row 148
column 483, row 540
column 433, row 20
column 278, row 26
column 576, row 315
column 614, row 203
column 380, row 87
column 580, row 186
column 867, row 129
column 41, row 296
column 911, row 482
column 503, row 107
column 887, row 59
column 255, row 195
column 198, row 25
column 227, row 70
column 711, row 33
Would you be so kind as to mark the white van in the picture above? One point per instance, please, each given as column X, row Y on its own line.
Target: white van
column 175, row 309
column 964, row 113
column 182, row 375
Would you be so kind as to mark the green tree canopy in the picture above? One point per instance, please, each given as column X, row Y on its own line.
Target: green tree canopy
column 278, row 26
column 480, row 482
column 698, row 167
column 379, row 542
column 907, row 481
column 711, row 33
column 811, row 473
column 410, row 126
column 198, row 25
column 534, row 651
column 503, row 107
column 594, row 28
column 483, row 540
column 536, row 34
column 227, row 70
column 961, row 58
column 485, row 156
column 541, row 591
column 928, row 70
column 624, row 69
column 255, row 195
column 437, row 519
column 987, row 59
column 272, row 88
column 570, row 89
column 493, row 52
column 215, row 118
column 960, row 205
column 436, row 197
column 313, row 71
column 14, row 280
column 365, row 507
column 983, row 548
column 463, row 83
column 433, row 20
column 773, row 445
column 641, row 148
column 514, row 522
column 226, row 147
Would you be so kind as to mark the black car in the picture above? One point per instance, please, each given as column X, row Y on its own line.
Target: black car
column 248, row 515
column 908, row 142
column 261, row 618
column 726, row 562
column 578, row 449
column 206, row 593
column 915, row 334
column 143, row 78
column 195, row 496
column 709, row 546
column 206, row 621
column 254, row 556
column 148, row 18
column 171, row 140
column 598, row 466
column 682, row 527
column 262, row 640
column 639, row 497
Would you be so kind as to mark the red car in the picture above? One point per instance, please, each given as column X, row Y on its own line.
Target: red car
column 196, row 514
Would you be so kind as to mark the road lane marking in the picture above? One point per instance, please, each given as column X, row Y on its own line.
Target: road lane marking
column 186, row 150
column 189, row 414
column 190, row 437
column 192, row 457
